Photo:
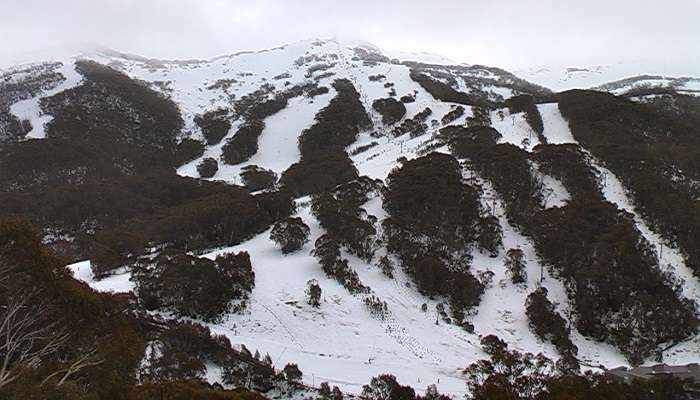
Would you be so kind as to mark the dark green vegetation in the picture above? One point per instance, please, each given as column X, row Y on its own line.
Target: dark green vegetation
column 214, row 125
column 108, row 191
column 347, row 227
column 445, row 92
column 324, row 162
column 256, row 178
column 433, row 220
column 509, row 374
column 655, row 150
column 208, row 167
column 173, row 281
column 187, row 150
column 414, row 126
column 619, row 293
column 290, row 234
column 391, row 110
column 549, row 325
column 442, row 83
column 110, row 104
column 244, row 143
column 452, row 115
column 75, row 343
column 253, row 109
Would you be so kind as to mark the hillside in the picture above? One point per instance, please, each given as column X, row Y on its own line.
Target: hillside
column 432, row 201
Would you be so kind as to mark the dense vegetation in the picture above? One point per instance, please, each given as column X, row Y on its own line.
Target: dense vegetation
column 347, row 227
column 627, row 300
column 414, row 126
column 256, row 178
column 433, row 218
column 208, row 167
column 452, row 115
column 112, row 105
column 654, row 150
column 549, row 325
column 510, row 374
column 109, row 191
column 444, row 92
column 324, row 162
column 290, row 234
column 391, row 110
column 214, row 125
column 194, row 287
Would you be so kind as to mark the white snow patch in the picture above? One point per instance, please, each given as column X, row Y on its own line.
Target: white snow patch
column 117, row 283
column 30, row 109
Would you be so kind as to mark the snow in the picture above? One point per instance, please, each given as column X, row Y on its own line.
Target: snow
column 340, row 342
column 670, row 257
column 277, row 144
column 336, row 342
column 556, row 128
column 560, row 78
column 555, row 193
column 30, row 109
column 117, row 283
column 514, row 129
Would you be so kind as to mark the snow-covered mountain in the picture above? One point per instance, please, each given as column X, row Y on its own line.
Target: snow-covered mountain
column 617, row 78
column 341, row 342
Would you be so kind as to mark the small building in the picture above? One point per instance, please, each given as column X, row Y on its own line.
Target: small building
column 688, row 371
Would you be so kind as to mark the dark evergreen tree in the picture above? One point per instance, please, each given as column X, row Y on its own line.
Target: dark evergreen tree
column 313, row 293
column 290, row 234
column 208, row 167
column 515, row 263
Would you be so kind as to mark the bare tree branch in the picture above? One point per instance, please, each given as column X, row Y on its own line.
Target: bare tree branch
column 26, row 335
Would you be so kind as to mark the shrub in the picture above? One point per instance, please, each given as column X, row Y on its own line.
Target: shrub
column 515, row 263
column 416, row 126
column 313, row 293
column 244, row 143
column 278, row 204
column 385, row 387
column 327, row 251
column 318, row 173
column 363, row 148
column 548, row 324
column 292, row 373
column 256, row 178
column 407, row 99
column 432, row 219
column 324, row 163
column 654, row 152
column 386, row 266
column 195, row 287
column 340, row 214
column 214, row 125
column 452, row 115
column 444, row 92
column 490, row 235
column 627, row 301
column 208, row 167
column 391, row 110
column 188, row 150
column 290, row 234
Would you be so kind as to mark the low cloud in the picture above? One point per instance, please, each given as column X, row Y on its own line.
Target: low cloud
column 510, row 34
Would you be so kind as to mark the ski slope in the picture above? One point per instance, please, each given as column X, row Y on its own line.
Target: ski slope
column 340, row 342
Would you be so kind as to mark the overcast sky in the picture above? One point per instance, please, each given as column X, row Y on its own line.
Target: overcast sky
column 510, row 34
